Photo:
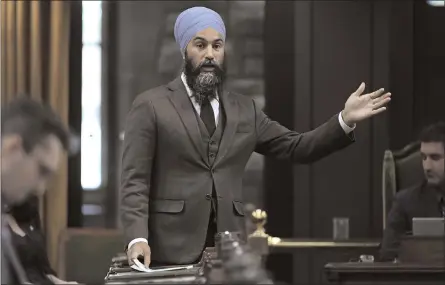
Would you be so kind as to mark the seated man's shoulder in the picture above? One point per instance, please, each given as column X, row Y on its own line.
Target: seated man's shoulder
column 409, row 193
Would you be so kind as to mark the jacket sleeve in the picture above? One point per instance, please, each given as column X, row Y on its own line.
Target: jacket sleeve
column 276, row 140
column 137, row 159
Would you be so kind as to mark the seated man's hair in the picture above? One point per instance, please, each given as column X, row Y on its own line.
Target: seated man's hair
column 433, row 133
column 33, row 122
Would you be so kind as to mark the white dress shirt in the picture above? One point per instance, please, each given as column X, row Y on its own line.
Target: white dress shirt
column 214, row 101
column 215, row 105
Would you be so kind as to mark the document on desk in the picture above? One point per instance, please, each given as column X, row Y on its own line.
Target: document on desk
column 142, row 268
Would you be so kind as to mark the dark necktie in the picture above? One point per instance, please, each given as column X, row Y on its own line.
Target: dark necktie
column 442, row 205
column 207, row 115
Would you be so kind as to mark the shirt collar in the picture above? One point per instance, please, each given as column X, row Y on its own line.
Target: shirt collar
column 187, row 88
column 184, row 80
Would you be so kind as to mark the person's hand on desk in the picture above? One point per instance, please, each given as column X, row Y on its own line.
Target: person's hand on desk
column 139, row 249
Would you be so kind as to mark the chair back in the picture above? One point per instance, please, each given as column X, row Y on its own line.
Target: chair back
column 401, row 169
column 85, row 253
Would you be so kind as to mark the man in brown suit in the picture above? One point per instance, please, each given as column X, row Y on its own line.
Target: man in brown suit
column 187, row 143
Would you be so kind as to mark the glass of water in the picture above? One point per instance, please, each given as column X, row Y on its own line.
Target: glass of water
column 340, row 228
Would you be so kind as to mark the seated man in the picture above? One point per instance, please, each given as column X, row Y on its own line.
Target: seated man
column 33, row 140
column 423, row 200
column 28, row 240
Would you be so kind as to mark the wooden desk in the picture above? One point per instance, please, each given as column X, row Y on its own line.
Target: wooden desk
column 309, row 256
column 129, row 276
column 385, row 274
column 422, row 250
column 297, row 244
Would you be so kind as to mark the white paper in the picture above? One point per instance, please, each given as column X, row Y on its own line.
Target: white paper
column 141, row 267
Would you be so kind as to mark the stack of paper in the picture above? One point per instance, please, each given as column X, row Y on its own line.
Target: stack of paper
column 141, row 267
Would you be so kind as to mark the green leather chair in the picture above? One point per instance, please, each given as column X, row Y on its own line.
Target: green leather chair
column 401, row 169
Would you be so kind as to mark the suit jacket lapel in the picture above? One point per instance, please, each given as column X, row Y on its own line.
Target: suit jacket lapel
column 231, row 110
column 184, row 107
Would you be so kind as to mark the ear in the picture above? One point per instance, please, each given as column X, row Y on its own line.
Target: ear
column 11, row 143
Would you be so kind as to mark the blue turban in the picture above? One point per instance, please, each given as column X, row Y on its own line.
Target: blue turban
column 192, row 21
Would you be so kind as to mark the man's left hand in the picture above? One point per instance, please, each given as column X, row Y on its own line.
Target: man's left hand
column 360, row 106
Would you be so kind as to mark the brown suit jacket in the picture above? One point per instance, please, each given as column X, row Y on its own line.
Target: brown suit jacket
column 167, row 178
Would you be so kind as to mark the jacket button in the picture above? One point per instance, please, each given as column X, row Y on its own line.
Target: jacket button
column 208, row 196
column 212, row 155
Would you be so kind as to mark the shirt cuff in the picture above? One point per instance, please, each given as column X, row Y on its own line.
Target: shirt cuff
column 343, row 125
column 137, row 240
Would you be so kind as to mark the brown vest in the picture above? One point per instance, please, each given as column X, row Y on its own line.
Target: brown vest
column 212, row 143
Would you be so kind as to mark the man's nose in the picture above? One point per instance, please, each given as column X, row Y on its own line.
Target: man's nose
column 427, row 165
column 209, row 53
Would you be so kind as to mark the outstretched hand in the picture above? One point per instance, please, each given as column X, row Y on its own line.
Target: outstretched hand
column 360, row 106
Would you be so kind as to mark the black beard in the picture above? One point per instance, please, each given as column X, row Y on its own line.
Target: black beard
column 204, row 83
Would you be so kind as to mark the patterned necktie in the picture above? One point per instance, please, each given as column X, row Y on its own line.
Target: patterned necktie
column 207, row 115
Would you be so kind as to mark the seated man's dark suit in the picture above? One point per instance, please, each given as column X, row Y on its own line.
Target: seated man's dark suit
column 171, row 166
column 31, row 248
column 418, row 201
column 12, row 271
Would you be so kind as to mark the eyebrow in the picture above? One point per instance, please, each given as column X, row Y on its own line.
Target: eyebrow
column 202, row 39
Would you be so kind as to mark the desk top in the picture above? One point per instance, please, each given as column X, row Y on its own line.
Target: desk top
column 376, row 267
column 127, row 274
column 320, row 243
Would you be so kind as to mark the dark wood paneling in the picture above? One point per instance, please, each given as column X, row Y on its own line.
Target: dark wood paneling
column 429, row 62
column 401, row 115
column 341, row 60
column 337, row 45
column 279, row 71
column 279, row 90
column 303, row 106
column 416, row 69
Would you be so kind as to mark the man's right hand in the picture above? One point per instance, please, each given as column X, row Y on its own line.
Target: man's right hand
column 139, row 249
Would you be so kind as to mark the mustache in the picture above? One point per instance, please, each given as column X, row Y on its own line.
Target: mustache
column 203, row 81
column 208, row 63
